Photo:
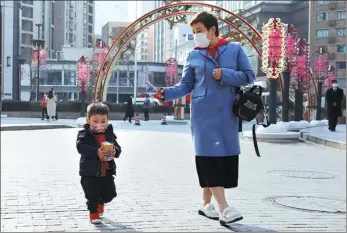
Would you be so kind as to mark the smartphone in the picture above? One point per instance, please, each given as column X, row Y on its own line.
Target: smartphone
column 154, row 88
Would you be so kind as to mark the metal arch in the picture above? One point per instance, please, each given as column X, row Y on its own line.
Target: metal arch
column 235, row 21
column 106, row 79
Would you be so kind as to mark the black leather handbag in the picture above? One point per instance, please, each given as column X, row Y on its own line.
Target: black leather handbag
column 247, row 106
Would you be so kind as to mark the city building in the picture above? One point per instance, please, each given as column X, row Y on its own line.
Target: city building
column 35, row 13
column 328, row 23
column 112, row 30
column 74, row 24
column 257, row 14
column 184, row 40
column 9, row 49
column 61, row 75
column 183, row 50
column 144, row 45
column 159, row 36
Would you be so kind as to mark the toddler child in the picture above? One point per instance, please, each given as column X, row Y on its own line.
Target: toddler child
column 97, row 166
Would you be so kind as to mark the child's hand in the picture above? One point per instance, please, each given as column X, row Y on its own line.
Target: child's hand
column 102, row 155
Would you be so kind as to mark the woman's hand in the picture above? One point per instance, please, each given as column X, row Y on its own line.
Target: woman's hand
column 217, row 74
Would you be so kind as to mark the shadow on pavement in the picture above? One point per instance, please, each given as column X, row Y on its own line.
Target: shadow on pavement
column 111, row 226
column 246, row 228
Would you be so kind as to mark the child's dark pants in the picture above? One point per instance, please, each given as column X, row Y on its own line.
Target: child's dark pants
column 98, row 190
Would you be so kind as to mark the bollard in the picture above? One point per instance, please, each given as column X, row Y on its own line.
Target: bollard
column 163, row 120
column 137, row 119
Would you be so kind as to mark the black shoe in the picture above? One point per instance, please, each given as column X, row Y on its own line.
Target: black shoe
column 42, row 119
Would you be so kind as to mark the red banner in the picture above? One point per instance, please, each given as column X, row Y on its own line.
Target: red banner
column 35, row 56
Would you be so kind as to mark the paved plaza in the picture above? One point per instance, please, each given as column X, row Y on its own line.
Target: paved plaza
column 292, row 187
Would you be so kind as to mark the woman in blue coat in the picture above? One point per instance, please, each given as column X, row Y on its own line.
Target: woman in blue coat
column 213, row 71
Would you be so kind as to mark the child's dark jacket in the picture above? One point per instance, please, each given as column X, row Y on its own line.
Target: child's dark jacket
column 87, row 145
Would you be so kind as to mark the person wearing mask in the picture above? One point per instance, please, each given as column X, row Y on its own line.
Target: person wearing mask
column 334, row 97
column 51, row 105
column 213, row 71
column 146, row 106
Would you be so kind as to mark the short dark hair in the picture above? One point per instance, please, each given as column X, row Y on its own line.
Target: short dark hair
column 97, row 109
column 206, row 18
column 334, row 81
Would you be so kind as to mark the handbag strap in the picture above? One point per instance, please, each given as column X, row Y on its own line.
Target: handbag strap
column 255, row 143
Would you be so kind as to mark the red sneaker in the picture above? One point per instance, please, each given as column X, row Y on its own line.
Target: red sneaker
column 101, row 209
column 95, row 218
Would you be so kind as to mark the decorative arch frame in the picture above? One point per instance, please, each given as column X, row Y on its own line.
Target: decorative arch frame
column 173, row 12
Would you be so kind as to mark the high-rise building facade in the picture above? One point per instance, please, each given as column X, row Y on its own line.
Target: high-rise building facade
column 37, row 13
column 74, row 24
column 159, row 36
column 327, row 28
column 112, row 30
column 10, row 49
column 144, row 46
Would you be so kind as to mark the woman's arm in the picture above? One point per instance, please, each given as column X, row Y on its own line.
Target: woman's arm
column 184, row 87
column 240, row 77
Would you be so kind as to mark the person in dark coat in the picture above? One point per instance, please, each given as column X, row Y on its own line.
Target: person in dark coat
column 97, row 167
column 130, row 109
column 146, row 106
column 334, row 97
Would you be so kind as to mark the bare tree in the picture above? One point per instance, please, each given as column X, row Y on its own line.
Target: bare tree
column 26, row 54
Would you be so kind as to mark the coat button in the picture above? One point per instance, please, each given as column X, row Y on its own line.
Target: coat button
column 220, row 109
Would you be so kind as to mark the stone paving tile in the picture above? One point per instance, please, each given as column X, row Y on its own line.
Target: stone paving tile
column 157, row 185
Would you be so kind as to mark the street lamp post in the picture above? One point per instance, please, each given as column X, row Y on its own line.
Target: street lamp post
column 321, row 73
column 39, row 44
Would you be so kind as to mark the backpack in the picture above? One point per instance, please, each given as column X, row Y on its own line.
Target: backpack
column 247, row 107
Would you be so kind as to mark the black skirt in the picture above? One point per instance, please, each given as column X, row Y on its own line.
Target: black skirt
column 218, row 171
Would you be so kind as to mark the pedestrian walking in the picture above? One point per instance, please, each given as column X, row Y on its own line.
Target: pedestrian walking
column 51, row 105
column 44, row 107
column 146, row 106
column 129, row 113
column 98, row 147
column 212, row 72
column 334, row 97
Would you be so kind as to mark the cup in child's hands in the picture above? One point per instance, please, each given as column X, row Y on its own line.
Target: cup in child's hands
column 108, row 148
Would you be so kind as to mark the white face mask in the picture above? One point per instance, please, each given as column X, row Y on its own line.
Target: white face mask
column 201, row 40
column 335, row 85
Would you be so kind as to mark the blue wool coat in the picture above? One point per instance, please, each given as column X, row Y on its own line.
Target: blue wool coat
column 213, row 123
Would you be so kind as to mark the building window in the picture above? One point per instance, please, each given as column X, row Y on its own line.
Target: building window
column 28, row 2
column 322, row 16
column 341, row 14
column 90, row 18
column 341, row 32
column 27, row 25
column 321, row 2
column 90, row 9
column 51, row 77
column 340, row 65
column 341, row 48
column 27, row 12
column 341, row 82
column 322, row 33
column 90, row 29
column 70, row 77
column 27, row 39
